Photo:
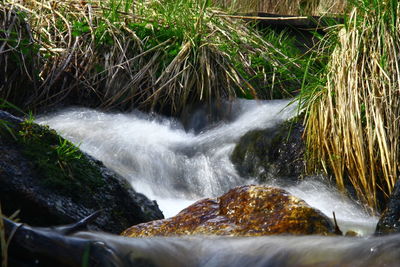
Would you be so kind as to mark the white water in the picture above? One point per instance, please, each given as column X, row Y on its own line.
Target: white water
column 177, row 167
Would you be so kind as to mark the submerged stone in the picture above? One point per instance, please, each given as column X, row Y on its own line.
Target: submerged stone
column 244, row 211
column 50, row 181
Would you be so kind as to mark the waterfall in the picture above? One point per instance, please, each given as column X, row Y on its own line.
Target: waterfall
column 177, row 166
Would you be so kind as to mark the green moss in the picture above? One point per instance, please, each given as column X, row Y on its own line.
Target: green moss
column 61, row 165
column 274, row 74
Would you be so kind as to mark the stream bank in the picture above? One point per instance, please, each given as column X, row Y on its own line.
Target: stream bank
column 50, row 182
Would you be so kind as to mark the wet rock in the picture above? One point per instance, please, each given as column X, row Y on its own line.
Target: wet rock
column 199, row 117
column 52, row 182
column 389, row 221
column 271, row 153
column 351, row 233
column 244, row 211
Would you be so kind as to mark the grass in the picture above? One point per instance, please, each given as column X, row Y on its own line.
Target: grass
column 286, row 7
column 61, row 164
column 352, row 114
column 155, row 55
column 4, row 243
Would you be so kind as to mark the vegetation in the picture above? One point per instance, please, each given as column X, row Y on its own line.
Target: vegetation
column 121, row 53
column 286, row 7
column 162, row 55
column 61, row 164
column 4, row 243
column 352, row 114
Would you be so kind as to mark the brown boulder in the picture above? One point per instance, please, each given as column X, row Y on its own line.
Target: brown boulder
column 244, row 211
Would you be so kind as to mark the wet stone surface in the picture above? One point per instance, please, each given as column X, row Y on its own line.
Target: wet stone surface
column 272, row 153
column 244, row 211
column 49, row 188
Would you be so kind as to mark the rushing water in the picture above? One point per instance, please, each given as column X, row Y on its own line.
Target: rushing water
column 267, row 251
column 176, row 166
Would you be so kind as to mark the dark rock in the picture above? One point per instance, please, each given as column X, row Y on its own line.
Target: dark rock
column 271, row 153
column 200, row 117
column 389, row 221
column 244, row 211
column 52, row 182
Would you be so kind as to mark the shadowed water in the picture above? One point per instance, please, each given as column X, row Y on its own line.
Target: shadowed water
column 176, row 166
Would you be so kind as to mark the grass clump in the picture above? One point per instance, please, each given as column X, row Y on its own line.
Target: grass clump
column 158, row 55
column 19, row 60
column 352, row 118
column 286, row 7
column 61, row 164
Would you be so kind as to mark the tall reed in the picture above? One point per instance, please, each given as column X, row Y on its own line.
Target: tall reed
column 286, row 7
column 352, row 120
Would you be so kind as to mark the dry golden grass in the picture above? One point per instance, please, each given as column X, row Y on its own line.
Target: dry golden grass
column 5, row 243
column 287, row 7
column 353, row 123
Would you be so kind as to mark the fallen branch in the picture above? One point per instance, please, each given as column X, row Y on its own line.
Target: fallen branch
column 55, row 247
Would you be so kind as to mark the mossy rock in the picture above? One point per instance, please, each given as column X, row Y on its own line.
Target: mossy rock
column 248, row 210
column 51, row 181
column 271, row 153
column 61, row 165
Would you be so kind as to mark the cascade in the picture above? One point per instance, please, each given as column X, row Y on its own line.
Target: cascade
column 177, row 166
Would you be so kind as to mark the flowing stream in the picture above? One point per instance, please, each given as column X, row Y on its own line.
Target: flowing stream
column 177, row 166
column 159, row 157
column 266, row 251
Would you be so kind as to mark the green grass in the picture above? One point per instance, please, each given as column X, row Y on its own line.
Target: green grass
column 155, row 55
column 61, row 164
column 286, row 7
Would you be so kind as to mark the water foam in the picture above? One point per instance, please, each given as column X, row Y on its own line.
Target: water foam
column 177, row 167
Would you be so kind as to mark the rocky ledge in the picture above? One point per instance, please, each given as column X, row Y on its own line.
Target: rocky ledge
column 51, row 182
column 244, row 211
